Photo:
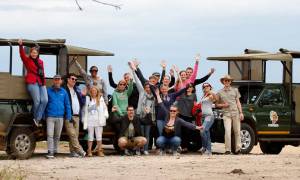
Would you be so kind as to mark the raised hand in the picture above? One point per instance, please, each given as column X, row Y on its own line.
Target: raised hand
column 136, row 62
column 212, row 70
column 163, row 64
column 20, row 42
column 197, row 58
column 132, row 65
column 175, row 68
column 109, row 68
column 171, row 72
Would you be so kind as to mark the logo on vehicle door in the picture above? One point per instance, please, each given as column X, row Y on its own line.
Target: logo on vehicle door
column 274, row 119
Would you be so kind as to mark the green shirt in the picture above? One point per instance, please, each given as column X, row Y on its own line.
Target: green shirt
column 120, row 99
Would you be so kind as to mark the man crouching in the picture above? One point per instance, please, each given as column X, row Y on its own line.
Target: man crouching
column 130, row 137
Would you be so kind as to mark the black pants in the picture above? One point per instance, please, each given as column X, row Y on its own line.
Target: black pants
column 186, row 134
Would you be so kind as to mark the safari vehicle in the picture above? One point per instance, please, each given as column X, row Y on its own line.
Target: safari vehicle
column 271, row 110
column 18, row 134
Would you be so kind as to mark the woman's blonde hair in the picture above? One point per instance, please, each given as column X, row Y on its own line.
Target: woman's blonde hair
column 98, row 96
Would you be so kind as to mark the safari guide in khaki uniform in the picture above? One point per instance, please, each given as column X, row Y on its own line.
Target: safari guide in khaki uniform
column 228, row 99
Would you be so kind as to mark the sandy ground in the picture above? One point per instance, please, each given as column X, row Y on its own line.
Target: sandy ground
column 286, row 165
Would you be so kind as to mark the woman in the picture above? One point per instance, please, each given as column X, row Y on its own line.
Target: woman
column 95, row 114
column 172, row 130
column 207, row 117
column 35, row 81
column 182, row 80
column 146, row 107
column 185, row 104
column 121, row 95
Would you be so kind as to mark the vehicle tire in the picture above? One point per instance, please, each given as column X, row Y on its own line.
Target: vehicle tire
column 22, row 143
column 195, row 144
column 247, row 139
column 271, row 147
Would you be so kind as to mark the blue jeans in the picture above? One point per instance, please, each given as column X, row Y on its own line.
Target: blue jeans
column 160, row 126
column 54, row 128
column 173, row 142
column 146, row 133
column 208, row 121
column 40, row 99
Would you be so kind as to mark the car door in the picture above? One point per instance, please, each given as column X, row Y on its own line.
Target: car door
column 272, row 112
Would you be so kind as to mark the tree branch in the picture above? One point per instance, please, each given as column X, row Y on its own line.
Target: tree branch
column 117, row 6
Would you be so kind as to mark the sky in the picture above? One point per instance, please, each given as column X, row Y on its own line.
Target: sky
column 155, row 30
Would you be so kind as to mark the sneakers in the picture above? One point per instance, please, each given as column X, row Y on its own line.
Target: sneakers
column 202, row 150
column 100, row 153
column 207, row 153
column 74, row 154
column 50, row 156
column 127, row 152
column 175, row 153
column 227, row 152
column 82, row 154
column 162, row 152
column 146, row 153
column 138, row 152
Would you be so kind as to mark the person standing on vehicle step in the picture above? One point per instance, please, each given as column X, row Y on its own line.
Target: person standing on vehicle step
column 93, row 79
column 94, row 118
column 228, row 99
column 77, row 101
column 35, row 81
column 57, row 110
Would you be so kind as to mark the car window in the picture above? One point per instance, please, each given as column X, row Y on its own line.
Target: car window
column 4, row 58
column 272, row 97
column 249, row 94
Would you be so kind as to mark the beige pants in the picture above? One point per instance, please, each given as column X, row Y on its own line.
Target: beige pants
column 234, row 122
column 72, row 129
column 133, row 143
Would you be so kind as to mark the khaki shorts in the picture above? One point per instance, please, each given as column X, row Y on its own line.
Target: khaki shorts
column 134, row 142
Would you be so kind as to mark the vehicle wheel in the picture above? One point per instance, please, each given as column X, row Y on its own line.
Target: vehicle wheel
column 271, row 147
column 22, row 143
column 247, row 139
column 195, row 144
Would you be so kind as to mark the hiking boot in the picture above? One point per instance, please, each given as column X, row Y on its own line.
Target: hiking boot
column 202, row 150
column 89, row 153
column 82, row 154
column 227, row 152
column 100, row 153
column 74, row 154
column 50, row 156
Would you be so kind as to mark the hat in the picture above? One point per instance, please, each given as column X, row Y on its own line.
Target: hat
column 226, row 77
column 57, row 76
column 93, row 68
column 156, row 74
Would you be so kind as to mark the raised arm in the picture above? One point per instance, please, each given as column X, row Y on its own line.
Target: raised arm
column 110, row 77
column 130, row 88
column 82, row 72
column 163, row 73
column 205, row 78
column 140, row 76
column 138, row 83
column 172, row 78
column 22, row 51
column 195, row 70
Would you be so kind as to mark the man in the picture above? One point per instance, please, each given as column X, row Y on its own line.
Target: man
column 57, row 109
column 76, row 99
column 93, row 79
column 134, row 97
column 228, row 100
column 130, row 137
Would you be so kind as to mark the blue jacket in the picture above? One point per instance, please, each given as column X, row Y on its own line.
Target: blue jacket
column 58, row 104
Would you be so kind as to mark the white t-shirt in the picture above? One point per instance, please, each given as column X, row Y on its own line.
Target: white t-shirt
column 75, row 102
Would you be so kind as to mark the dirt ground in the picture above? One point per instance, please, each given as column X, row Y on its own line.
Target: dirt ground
column 286, row 165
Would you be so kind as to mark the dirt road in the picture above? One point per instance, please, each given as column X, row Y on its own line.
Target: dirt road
column 192, row 166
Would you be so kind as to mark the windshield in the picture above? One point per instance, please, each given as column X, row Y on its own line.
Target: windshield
column 249, row 93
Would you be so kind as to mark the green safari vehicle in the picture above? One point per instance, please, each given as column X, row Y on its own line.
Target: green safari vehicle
column 18, row 134
column 271, row 110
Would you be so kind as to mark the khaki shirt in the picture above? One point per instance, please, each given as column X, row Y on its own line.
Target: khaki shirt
column 230, row 96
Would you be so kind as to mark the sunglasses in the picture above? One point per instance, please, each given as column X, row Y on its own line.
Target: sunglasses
column 57, row 79
column 172, row 111
column 94, row 70
column 73, row 79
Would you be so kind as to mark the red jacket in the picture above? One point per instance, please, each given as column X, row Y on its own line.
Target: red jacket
column 197, row 112
column 32, row 71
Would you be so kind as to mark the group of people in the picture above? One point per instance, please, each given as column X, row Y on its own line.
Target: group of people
column 163, row 104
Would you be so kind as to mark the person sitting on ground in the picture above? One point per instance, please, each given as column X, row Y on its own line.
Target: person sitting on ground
column 93, row 79
column 130, row 137
column 35, row 81
column 57, row 110
column 95, row 114
column 134, row 97
column 172, row 130
column 76, row 98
